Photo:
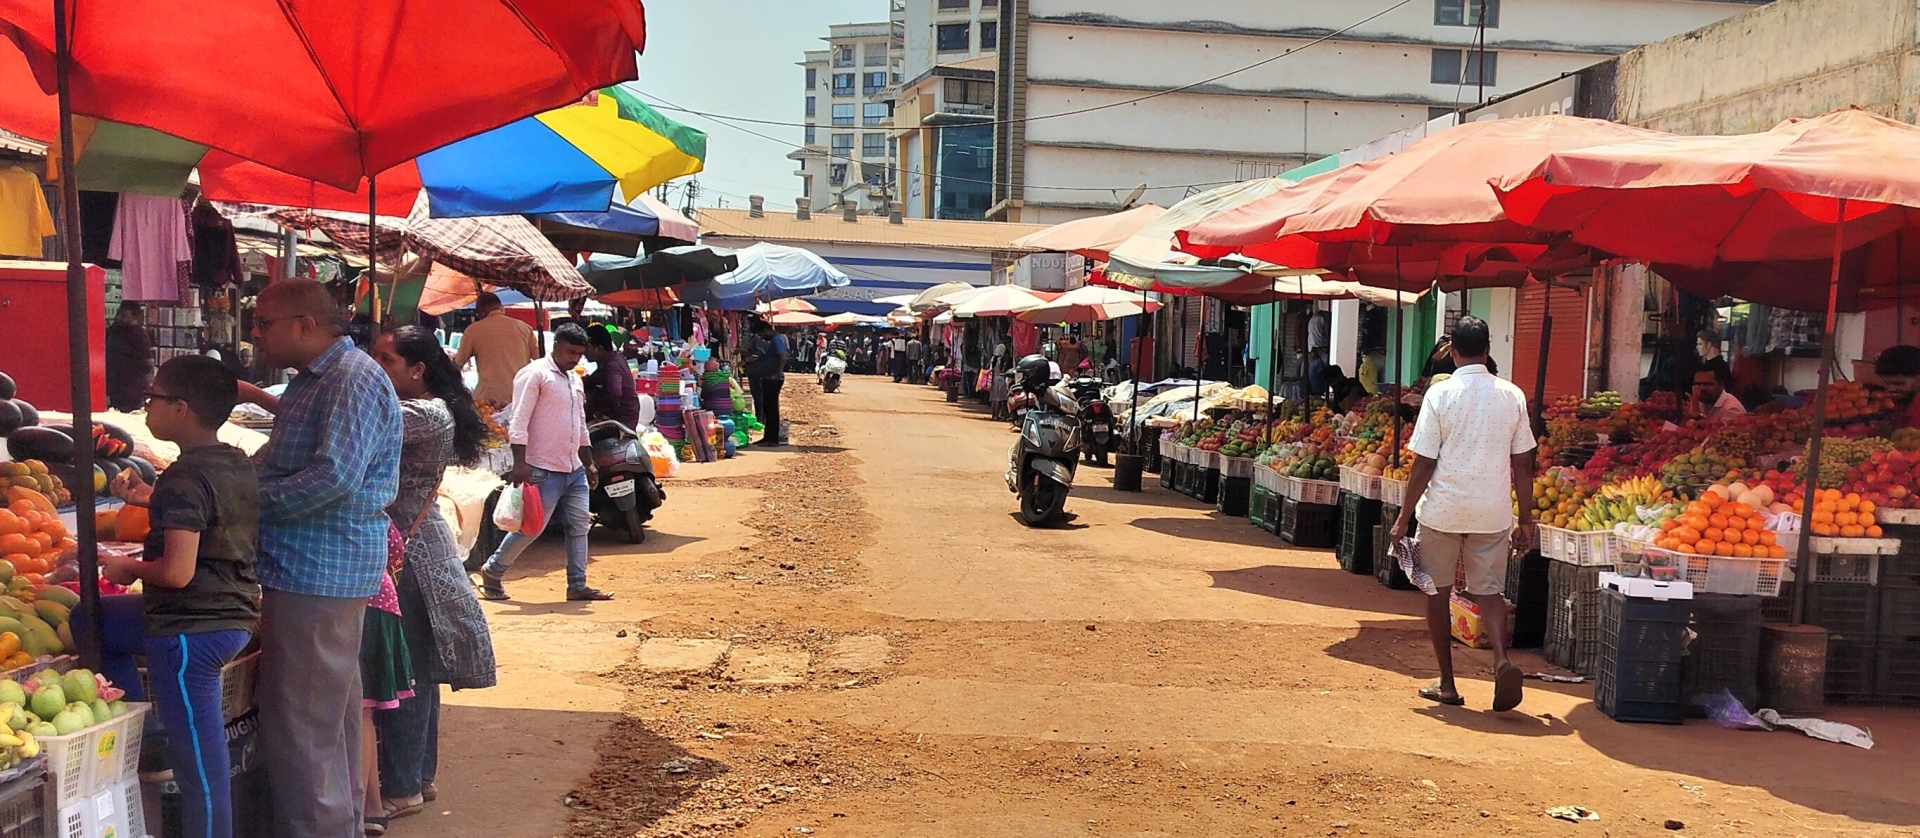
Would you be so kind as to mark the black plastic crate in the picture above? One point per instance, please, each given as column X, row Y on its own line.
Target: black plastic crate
column 1899, row 613
column 1638, row 677
column 1845, row 569
column 1359, row 517
column 1778, row 609
column 1526, row 588
column 1233, row 496
column 1847, row 612
column 1170, row 474
column 1897, row 671
column 1385, row 570
column 1852, row 665
column 1315, row 525
column 1903, row 570
column 1257, row 507
column 23, row 807
column 1206, row 485
column 1572, row 639
column 1725, row 652
column 1276, row 508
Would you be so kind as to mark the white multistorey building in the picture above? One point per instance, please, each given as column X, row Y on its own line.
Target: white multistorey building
column 848, row 152
column 1310, row 100
column 944, row 110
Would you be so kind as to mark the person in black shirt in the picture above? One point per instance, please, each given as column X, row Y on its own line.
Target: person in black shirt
column 201, row 598
column 129, row 358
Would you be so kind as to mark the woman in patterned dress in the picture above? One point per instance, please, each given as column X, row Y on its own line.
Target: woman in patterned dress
column 446, row 633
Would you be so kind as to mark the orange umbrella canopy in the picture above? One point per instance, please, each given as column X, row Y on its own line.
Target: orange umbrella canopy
column 1093, row 237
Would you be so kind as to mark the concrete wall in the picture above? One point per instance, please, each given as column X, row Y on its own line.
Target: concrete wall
column 922, row 16
column 1792, row 58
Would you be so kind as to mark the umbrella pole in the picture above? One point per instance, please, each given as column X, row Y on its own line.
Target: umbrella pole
column 1540, row 371
column 79, row 355
column 1133, row 415
column 1398, row 347
column 1273, row 358
column 1802, row 559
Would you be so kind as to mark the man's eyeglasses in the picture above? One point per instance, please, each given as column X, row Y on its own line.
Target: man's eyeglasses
column 265, row 323
column 162, row 397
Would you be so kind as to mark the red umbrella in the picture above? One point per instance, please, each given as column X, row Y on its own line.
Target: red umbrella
column 336, row 90
column 1848, row 180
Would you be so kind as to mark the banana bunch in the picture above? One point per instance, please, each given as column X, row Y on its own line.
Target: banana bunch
column 1620, row 502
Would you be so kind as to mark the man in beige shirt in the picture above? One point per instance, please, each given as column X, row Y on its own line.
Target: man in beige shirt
column 500, row 345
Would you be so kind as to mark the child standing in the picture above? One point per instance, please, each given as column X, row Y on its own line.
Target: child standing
column 201, row 599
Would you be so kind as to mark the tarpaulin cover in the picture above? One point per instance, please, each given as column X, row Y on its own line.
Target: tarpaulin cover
column 766, row 272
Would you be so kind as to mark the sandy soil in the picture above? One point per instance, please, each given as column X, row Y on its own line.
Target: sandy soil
column 855, row 636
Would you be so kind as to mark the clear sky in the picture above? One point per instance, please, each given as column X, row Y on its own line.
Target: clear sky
column 739, row 58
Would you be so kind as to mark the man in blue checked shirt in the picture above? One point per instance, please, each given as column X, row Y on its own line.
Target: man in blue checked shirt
column 326, row 477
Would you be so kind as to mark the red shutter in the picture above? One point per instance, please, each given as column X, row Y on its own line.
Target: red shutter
column 1566, row 357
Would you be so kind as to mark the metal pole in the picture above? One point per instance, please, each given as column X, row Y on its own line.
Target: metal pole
column 1398, row 348
column 79, row 354
column 1803, row 559
column 1540, row 371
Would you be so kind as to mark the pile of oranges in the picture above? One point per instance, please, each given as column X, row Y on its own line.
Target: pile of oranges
column 1845, row 516
column 1716, row 526
column 31, row 536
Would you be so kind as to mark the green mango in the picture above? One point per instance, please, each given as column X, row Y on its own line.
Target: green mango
column 43, row 633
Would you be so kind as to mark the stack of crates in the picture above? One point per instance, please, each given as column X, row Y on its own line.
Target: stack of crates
column 24, row 809
column 1234, row 496
column 1385, row 570
column 1257, row 513
column 1638, row 675
column 1870, row 607
column 1359, row 517
column 250, row 804
column 1725, row 652
column 1310, row 524
column 1573, row 617
column 1527, row 589
column 1206, row 482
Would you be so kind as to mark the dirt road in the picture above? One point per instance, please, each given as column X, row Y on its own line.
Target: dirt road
column 856, row 637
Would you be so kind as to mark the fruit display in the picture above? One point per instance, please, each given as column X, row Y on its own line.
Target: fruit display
column 1716, row 525
column 32, row 475
column 31, row 534
column 1848, row 401
column 1843, row 515
column 1245, row 438
column 1694, row 471
column 1603, row 401
column 1558, row 496
column 1838, row 456
column 1641, row 500
column 50, row 703
column 1307, row 461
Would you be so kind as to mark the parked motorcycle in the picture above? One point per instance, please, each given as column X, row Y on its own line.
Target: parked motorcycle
column 1043, row 459
column 831, row 368
column 628, row 492
column 1096, row 419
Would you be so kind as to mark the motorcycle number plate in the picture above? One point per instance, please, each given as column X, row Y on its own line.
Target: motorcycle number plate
column 1100, row 427
column 620, row 489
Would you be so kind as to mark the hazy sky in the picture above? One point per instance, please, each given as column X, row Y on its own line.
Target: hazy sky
column 738, row 58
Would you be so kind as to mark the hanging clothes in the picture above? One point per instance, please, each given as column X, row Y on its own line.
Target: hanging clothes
column 24, row 219
column 1026, row 338
column 150, row 240
column 216, row 254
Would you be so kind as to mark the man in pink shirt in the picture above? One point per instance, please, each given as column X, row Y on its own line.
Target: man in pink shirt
column 548, row 433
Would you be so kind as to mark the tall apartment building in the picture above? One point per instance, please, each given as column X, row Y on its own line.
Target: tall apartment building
column 1086, row 116
column 848, row 153
column 944, row 111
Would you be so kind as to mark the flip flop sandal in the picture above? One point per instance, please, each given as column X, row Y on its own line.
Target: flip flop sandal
column 402, row 807
column 373, row 827
column 1431, row 692
column 1507, row 687
column 429, row 792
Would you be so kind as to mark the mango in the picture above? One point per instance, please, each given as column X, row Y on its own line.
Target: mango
column 54, row 613
column 49, row 701
column 65, row 632
column 80, row 685
column 43, row 633
column 57, row 594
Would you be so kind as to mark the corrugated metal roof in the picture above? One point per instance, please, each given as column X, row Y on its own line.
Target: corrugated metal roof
column 14, row 142
column 829, row 228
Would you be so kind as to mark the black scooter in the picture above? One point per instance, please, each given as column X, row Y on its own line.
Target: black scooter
column 1041, row 464
column 628, row 492
column 1096, row 419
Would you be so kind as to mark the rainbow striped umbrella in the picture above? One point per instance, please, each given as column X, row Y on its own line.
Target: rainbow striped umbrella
column 569, row 159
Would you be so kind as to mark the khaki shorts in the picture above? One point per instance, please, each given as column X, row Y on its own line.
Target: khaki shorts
column 1484, row 553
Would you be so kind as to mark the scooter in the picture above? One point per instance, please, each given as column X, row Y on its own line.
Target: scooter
column 1095, row 417
column 831, row 368
column 628, row 492
column 1043, row 459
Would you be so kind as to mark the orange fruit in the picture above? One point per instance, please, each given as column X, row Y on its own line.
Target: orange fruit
column 1867, row 507
column 11, row 523
column 1684, row 548
column 44, row 540
column 1723, row 549
column 1853, row 531
column 1874, row 532
column 1750, row 536
column 1822, row 515
column 1776, row 552
column 14, row 542
column 1714, row 534
column 1742, row 551
column 1767, row 537
column 1712, row 500
column 1669, row 524
column 1864, row 519
column 1846, row 519
column 1705, row 546
column 1717, row 521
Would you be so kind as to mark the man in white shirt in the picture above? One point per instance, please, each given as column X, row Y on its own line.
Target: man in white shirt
column 898, row 357
column 1471, row 440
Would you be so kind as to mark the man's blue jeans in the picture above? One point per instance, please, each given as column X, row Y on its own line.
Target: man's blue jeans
column 565, row 498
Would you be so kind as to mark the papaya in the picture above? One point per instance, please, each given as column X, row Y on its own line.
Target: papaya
column 65, row 633
column 60, row 595
column 54, row 613
column 43, row 633
column 132, row 524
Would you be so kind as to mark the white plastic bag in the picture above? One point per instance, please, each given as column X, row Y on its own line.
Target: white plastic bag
column 665, row 462
column 509, row 513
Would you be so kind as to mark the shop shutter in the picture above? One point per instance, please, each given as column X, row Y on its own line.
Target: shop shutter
column 1566, row 357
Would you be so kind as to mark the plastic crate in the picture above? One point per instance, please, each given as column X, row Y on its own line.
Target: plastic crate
column 1313, row 525
column 1852, row 665
column 1902, row 570
column 1276, row 505
column 1257, row 505
column 1899, row 617
column 1526, row 588
column 118, row 810
column 1233, row 496
column 1585, row 549
column 84, row 763
column 1206, row 485
column 1169, row 473
column 243, row 762
column 1638, row 678
column 1240, row 467
column 1321, row 492
column 1778, row 609
column 1572, row 639
column 1845, row 569
column 1725, row 652
column 24, row 812
column 1359, row 517
column 1847, row 612
column 1732, row 575
column 1354, row 483
column 1393, row 491
column 1896, row 677
column 236, row 684
column 1267, row 478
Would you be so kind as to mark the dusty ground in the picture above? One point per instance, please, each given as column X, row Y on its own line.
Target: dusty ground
column 855, row 637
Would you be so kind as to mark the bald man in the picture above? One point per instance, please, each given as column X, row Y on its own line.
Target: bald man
column 326, row 477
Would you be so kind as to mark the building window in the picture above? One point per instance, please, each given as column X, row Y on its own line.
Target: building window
column 1452, row 66
column 812, row 137
column 969, row 97
column 837, row 175
column 876, row 55
column 1466, row 12
column 1434, row 113
column 813, row 78
column 956, row 5
column 843, row 84
column 989, row 4
column 843, row 56
column 950, row 37
column 873, row 145
column 874, row 83
column 843, row 114
column 806, row 187
column 843, row 145
column 813, row 106
column 873, row 113
column 989, row 35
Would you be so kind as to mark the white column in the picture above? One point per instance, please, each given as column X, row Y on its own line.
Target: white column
column 1499, row 317
column 1627, row 307
column 1345, row 348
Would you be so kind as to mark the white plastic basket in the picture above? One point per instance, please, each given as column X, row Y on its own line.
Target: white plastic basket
column 1236, row 466
column 1585, row 549
column 1733, row 575
column 118, row 810
column 1856, row 546
column 1267, row 479
column 1898, row 517
column 1166, row 448
column 1209, row 460
column 1326, row 492
column 1393, row 492
column 87, row 762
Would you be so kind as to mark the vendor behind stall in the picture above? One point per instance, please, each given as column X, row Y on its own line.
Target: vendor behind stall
column 609, row 388
column 1898, row 368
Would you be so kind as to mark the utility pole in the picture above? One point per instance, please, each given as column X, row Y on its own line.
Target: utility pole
column 1481, row 25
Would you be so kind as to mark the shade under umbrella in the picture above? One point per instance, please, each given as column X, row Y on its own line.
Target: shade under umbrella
column 1092, row 237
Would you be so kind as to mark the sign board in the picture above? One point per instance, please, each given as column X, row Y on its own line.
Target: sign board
column 1554, row 97
column 1048, row 271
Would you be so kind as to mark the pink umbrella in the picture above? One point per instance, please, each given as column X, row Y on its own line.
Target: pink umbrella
column 1093, row 237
